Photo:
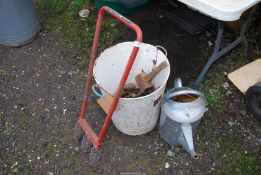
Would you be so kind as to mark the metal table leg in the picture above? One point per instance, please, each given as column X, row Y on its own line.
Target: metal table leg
column 219, row 53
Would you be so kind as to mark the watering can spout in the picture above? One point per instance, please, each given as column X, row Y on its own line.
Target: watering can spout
column 186, row 139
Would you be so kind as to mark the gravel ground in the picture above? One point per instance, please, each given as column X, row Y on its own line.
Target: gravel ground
column 41, row 93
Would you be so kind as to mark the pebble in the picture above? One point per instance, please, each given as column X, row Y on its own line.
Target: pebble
column 113, row 25
column 167, row 165
column 230, row 123
column 228, row 93
column 181, row 172
column 84, row 13
column 177, row 149
column 243, row 112
column 249, row 138
column 76, row 149
column 171, row 153
column 70, row 73
column 225, row 85
column 212, row 169
column 50, row 173
column 64, row 111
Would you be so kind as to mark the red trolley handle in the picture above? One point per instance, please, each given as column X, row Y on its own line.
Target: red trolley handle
column 133, row 55
column 122, row 19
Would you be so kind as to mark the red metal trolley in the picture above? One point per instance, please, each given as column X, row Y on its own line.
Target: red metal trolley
column 82, row 126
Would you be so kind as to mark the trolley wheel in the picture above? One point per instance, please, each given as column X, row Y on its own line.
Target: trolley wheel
column 77, row 132
column 253, row 100
column 86, row 144
column 95, row 156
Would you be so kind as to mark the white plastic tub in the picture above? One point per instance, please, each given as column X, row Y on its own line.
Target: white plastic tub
column 224, row 10
column 134, row 116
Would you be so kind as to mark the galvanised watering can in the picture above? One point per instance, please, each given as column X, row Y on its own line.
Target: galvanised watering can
column 181, row 112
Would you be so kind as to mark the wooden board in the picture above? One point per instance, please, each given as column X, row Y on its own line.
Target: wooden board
column 246, row 76
column 106, row 102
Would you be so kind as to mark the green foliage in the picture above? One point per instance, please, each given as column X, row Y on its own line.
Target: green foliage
column 240, row 62
column 61, row 16
column 8, row 129
column 213, row 97
column 53, row 6
column 59, row 6
column 77, row 5
column 244, row 164
column 212, row 92
column 235, row 161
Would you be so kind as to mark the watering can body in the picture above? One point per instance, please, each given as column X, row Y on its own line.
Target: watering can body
column 171, row 130
column 179, row 120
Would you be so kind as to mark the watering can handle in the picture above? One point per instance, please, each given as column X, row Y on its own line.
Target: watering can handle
column 184, row 92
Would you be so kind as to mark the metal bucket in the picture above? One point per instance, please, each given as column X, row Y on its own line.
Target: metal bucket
column 134, row 116
column 19, row 22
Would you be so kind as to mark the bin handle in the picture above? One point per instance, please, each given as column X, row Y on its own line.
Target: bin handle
column 95, row 92
column 163, row 49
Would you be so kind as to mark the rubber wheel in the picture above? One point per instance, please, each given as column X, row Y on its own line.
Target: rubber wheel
column 253, row 100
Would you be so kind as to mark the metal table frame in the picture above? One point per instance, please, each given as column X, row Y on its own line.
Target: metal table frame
column 218, row 53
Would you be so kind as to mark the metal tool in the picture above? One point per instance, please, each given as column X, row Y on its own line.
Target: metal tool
column 144, row 80
column 82, row 126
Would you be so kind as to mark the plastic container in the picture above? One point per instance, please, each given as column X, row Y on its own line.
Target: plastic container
column 19, row 22
column 223, row 10
column 134, row 116
column 122, row 6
